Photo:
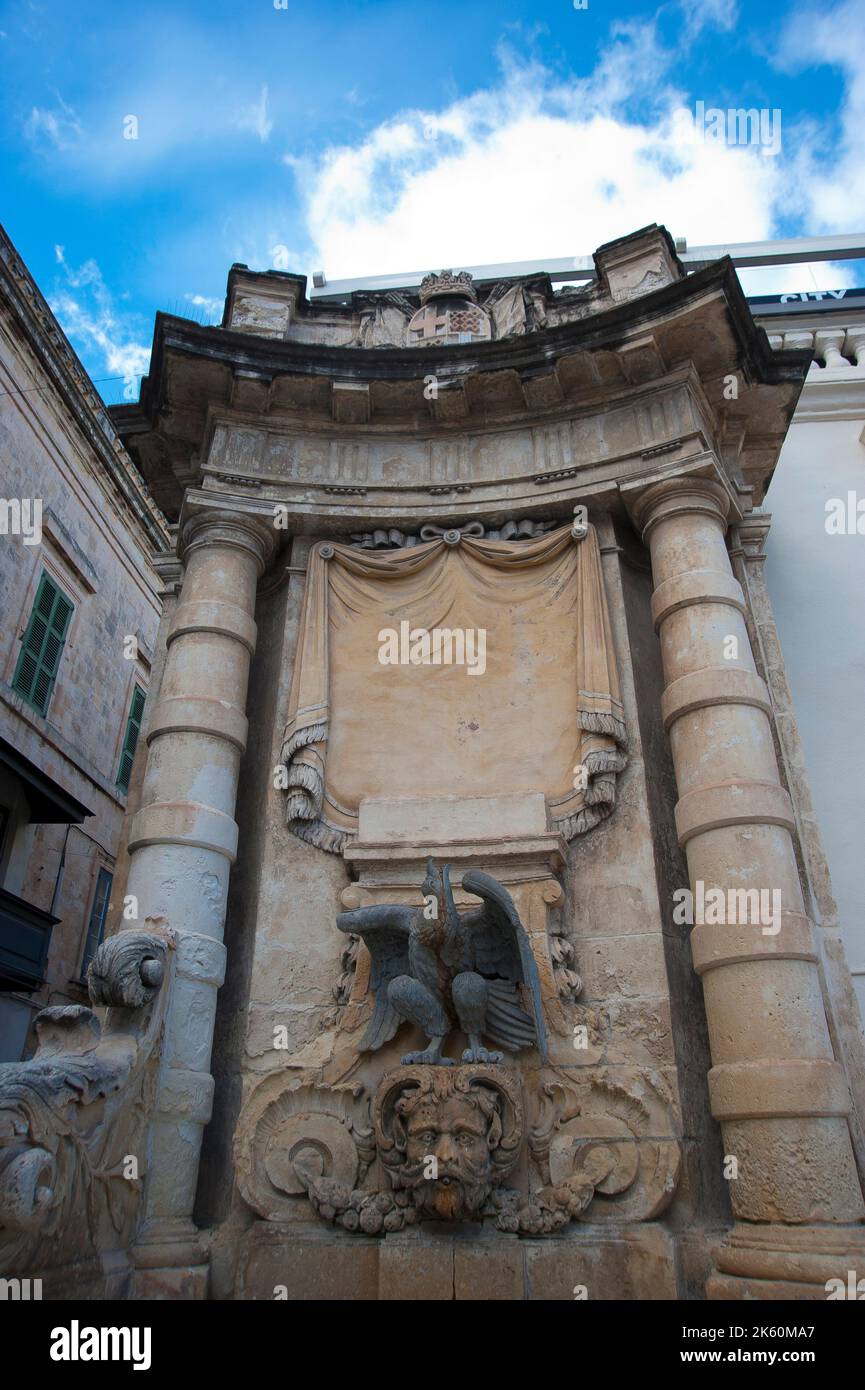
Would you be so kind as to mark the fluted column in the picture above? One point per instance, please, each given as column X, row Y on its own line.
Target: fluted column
column 775, row 1087
column 182, row 843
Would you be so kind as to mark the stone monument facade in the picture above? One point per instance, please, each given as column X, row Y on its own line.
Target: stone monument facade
column 471, row 956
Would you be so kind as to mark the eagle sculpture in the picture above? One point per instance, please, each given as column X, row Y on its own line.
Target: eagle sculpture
column 440, row 970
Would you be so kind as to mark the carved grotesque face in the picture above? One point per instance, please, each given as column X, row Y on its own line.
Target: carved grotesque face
column 448, row 1163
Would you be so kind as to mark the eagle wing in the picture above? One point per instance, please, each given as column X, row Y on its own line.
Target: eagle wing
column 502, row 950
column 385, row 931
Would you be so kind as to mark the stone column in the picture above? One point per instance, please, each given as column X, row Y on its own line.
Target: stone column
column 182, row 843
column 775, row 1086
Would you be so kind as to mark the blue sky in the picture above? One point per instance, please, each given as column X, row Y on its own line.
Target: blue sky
column 380, row 136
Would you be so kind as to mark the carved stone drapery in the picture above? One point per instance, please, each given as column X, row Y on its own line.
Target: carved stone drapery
column 394, row 539
column 547, row 601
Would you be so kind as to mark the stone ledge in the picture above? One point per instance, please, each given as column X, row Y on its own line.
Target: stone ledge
column 210, row 615
column 808, row 1087
column 736, row 802
column 693, row 587
column 713, row 685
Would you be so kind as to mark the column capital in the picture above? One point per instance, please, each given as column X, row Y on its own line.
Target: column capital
column 214, row 527
column 682, row 494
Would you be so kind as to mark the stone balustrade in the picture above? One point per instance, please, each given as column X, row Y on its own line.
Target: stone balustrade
column 835, row 349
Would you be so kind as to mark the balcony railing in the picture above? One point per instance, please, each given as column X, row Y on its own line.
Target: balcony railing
column 835, row 349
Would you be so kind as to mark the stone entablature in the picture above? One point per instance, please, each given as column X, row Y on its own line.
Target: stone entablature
column 650, row 331
column 526, row 468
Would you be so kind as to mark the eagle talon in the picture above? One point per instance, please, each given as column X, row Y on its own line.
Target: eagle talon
column 481, row 1054
column 430, row 1056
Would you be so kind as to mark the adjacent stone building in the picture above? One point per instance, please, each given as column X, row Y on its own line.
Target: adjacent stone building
column 80, row 605
column 470, row 933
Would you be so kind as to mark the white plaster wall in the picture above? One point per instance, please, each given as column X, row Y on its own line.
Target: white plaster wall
column 816, row 582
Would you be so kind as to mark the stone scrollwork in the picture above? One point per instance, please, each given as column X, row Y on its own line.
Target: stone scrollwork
column 70, row 1116
column 604, row 1140
column 437, row 1144
column 348, row 970
column 291, row 1138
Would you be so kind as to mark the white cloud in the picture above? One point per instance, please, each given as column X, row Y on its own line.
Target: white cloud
column 535, row 167
column 708, row 14
column 827, row 176
column 532, row 168
column 255, row 118
column 58, row 126
column 212, row 307
column 85, row 310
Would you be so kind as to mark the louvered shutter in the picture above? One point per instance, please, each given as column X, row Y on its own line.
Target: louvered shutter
column 98, row 914
column 130, row 741
column 42, row 644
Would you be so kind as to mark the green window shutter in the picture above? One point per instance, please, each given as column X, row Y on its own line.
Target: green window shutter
column 42, row 644
column 133, row 729
column 98, row 913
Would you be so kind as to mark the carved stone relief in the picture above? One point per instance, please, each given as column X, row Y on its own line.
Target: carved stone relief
column 434, row 1143
column 71, row 1116
column 392, row 539
column 527, row 1148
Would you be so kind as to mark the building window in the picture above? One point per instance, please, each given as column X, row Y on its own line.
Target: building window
column 98, row 913
column 42, row 644
column 133, row 729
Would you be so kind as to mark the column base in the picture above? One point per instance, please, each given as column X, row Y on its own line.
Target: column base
column 798, row 1262
column 170, row 1262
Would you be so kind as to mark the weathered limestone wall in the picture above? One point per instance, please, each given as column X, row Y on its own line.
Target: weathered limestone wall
column 816, row 581
column 98, row 551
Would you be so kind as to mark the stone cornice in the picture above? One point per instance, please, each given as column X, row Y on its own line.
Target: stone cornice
column 832, row 395
column 630, row 349
column 269, row 358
